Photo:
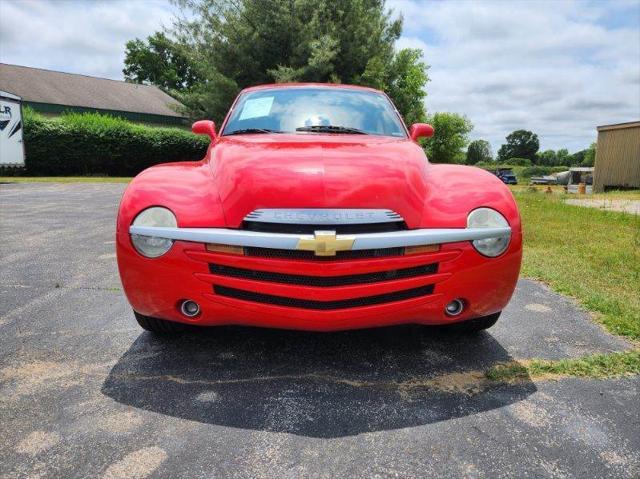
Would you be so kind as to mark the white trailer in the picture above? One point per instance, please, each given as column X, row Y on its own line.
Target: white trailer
column 578, row 176
column 11, row 145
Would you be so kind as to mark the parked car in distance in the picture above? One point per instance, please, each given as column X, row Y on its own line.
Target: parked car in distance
column 544, row 180
column 507, row 176
column 315, row 208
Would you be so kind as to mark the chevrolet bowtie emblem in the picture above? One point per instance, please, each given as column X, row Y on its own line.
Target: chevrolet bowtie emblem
column 326, row 243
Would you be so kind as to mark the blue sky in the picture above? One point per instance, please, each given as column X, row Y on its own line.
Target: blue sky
column 558, row 68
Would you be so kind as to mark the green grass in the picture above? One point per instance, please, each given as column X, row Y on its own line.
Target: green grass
column 586, row 253
column 595, row 366
column 64, row 179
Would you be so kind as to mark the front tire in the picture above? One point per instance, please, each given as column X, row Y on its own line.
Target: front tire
column 474, row 326
column 158, row 326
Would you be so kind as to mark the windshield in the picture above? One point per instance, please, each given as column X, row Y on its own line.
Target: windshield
column 314, row 110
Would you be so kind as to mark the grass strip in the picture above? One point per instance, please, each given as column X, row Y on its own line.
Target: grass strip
column 597, row 366
column 589, row 254
column 65, row 179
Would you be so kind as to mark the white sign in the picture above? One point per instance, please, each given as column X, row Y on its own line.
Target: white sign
column 11, row 146
column 256, row 107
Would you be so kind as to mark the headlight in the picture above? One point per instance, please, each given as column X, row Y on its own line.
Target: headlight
column 488, row 218
column 152, row 246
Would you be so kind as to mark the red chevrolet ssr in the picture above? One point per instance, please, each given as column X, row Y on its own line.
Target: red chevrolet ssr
column 315, row 208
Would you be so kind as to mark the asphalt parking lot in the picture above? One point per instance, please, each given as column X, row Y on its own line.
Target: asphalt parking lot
column 85, row 393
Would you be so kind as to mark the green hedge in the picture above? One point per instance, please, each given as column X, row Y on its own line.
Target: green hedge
column 94, row 144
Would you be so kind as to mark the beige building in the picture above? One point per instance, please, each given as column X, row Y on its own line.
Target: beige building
column 617, row 157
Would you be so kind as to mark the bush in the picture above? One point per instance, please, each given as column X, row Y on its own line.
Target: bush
column 494, row 165
column 487, row 165
column 519, row 162
column 94, row 144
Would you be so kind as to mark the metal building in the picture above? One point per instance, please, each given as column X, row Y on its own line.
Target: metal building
column 617, row 157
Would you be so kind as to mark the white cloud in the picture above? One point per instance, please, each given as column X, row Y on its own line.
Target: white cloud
column 556, row 68
column 76, row 36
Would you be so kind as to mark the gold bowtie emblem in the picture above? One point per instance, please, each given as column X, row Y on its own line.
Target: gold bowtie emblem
column 326, row 243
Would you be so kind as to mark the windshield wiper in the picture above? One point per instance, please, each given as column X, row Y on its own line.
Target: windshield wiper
column 332, row 129
column 246, row 131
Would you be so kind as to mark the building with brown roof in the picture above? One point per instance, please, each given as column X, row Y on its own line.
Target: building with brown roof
column 52, row 93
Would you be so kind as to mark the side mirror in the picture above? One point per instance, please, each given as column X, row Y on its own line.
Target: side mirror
column 420, row 130
column 205, row 127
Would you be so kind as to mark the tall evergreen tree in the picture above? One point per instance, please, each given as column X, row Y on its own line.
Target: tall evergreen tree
column 233, row 44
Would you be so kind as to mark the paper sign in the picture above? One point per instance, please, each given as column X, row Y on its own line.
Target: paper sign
column 257, row 107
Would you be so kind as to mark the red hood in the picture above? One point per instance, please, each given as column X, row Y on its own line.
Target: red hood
column 241, row 174
column 319, row 171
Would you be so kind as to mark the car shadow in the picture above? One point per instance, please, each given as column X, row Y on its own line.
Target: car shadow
column 314, row 384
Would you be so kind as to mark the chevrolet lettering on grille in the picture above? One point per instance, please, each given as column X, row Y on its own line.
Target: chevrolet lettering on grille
column 326, row 243
column 323, row 216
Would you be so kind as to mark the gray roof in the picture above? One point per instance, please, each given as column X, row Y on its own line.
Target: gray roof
column 70, row 89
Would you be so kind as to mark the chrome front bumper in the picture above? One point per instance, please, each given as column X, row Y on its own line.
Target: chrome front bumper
column 364, row 241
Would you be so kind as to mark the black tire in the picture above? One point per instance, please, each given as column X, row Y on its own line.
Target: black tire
column 158, row 326
column 473, row 326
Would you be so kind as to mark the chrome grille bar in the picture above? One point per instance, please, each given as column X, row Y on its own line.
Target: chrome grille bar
column 393, row 239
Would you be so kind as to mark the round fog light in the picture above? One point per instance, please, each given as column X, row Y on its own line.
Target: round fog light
column 454, row 308
column 190, row 308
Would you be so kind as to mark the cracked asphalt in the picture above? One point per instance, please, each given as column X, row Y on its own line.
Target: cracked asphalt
column 85, row 393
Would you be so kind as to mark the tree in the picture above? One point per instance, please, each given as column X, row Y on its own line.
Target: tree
column 450, row 138
column 590, row 155
column 563, row 158
column 238, row 43
column 520, row 144
column 159, row 61
column 578, row 157
column 546, row 158
column 405, row 84
column 478, row 150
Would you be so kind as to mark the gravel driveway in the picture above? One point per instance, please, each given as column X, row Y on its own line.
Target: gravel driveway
column 626, row 206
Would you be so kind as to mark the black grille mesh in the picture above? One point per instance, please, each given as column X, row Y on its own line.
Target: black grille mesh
column 322, row 305
column 304, row 280
column 310, row 255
